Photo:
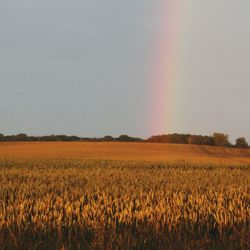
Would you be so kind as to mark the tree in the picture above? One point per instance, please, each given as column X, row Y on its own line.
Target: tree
column 20, row 137
column 241, row 143
column 208, row 140
column 1, row 137
column 107, row 138
column 126, row 138
column 221, row 139
column 199, row 140
column 194, row 139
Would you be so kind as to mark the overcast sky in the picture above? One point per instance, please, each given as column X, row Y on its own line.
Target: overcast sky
column 83, row 66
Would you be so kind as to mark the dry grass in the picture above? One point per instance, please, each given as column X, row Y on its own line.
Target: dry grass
column 126, row 151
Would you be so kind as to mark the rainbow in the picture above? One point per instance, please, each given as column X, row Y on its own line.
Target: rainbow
column 164, row 78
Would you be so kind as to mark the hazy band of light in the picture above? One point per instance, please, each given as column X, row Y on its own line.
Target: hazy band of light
column 165, row 67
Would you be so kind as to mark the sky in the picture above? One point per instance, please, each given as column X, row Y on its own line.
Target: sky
column 87, row 67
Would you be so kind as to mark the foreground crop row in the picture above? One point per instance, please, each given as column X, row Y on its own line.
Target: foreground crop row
column 71, row 204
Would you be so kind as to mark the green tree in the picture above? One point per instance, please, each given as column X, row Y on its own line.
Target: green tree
column 221, row 139
column 241, row 143
column 21, row 137
column 107, row 138
column 194, row 139
column 1, row 137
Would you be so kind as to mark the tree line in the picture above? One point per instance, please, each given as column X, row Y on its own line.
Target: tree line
column 217, row 139
column 24, row 137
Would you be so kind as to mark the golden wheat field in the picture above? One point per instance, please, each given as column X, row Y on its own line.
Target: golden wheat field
column 126, row 151
column 123, row 196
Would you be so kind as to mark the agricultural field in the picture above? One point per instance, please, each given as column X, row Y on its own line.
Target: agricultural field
column 126, row 151
column 59, row 199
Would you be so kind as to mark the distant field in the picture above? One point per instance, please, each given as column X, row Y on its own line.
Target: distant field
column 126, row 151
